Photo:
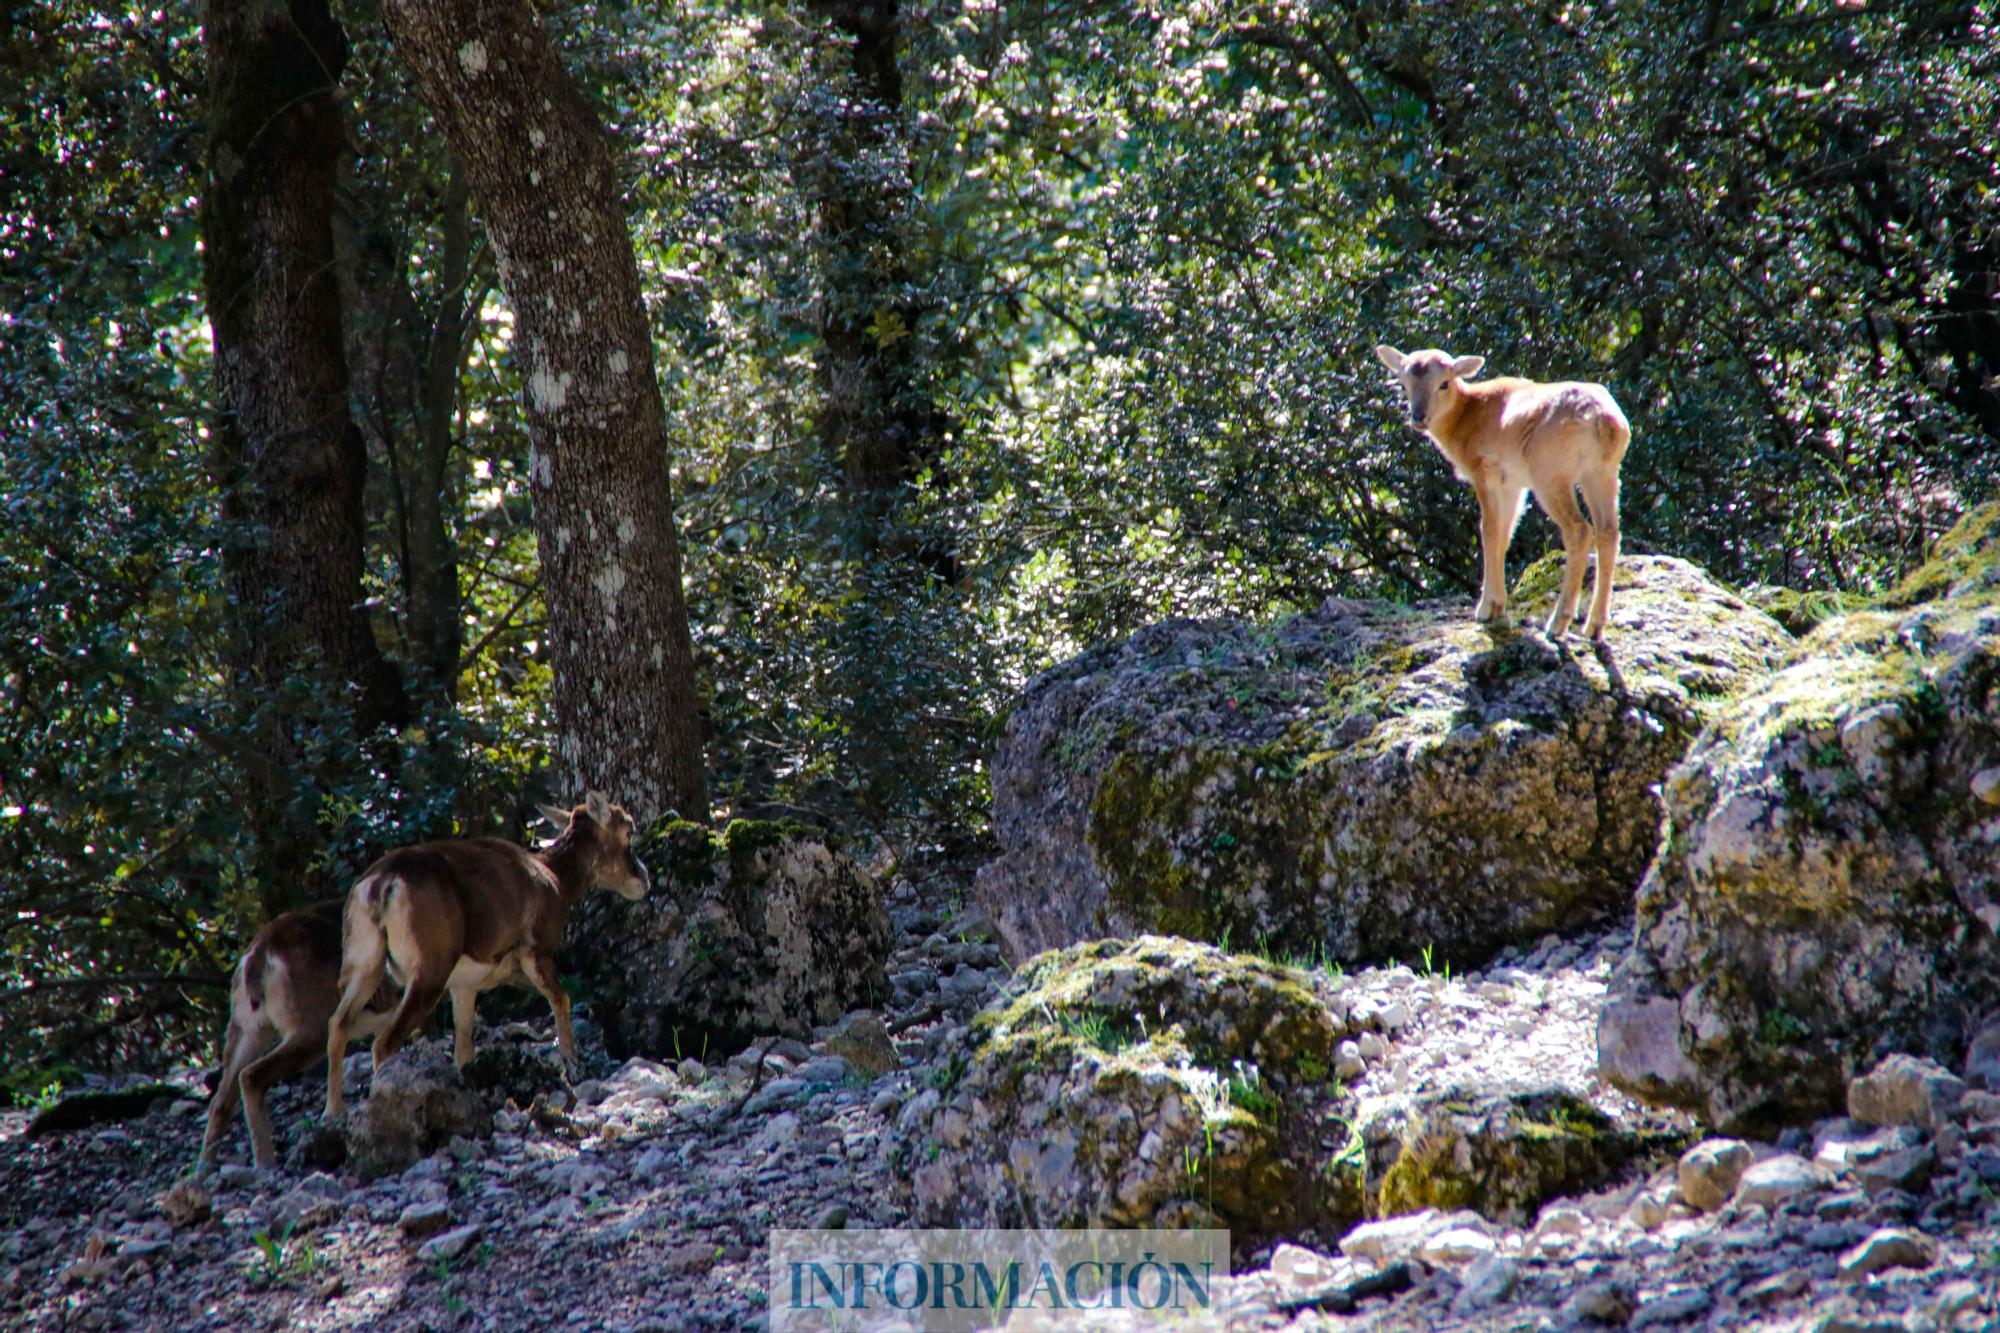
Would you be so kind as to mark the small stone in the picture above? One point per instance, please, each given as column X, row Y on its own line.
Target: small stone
column 1395, row 1017
column 1982, row 1064
column 1827, row 1236
column 1777, row 1181
column 862, row 1039
column 1709, row 1172
column 831, row 1218
column 1486, row 1282
column 1398, row 1237
column 1905, row 1090
column 186, row 1205
column 1777, row 1287
column 1890, row 1247
column 1347, row 1061
column 1909, row 1170
column 1601, row 1303
column 1455, row 1246
column 1673, row 1308
column 694, row 1256
column 421, row 1220
column 1647, row 1210
column 451, row 1244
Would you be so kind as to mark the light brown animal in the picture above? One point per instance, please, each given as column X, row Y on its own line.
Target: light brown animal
column 1508, row 436
column 284, row 991
column 469, row 915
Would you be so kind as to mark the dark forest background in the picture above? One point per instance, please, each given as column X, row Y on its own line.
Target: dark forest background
column 983, row 331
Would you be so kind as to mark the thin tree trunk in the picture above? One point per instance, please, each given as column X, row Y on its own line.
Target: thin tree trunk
column 539, row 164
column 876, row 421
column 289, row 458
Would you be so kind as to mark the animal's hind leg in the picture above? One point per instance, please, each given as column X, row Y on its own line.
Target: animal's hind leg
column 1600, row 492
column 1559, row 503
column 420, row 998
column 239, row 1048
column 367, row 957
column 293, row 1054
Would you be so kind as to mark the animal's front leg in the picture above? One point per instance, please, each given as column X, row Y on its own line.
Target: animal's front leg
column 464, row 1002
column 1499, row 510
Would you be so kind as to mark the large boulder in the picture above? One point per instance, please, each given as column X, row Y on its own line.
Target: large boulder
column 1364, row 781
column 416, row 1104
column 1160, row 1082
column 1829, row 885
column 1152, row 1082
column 765, row 927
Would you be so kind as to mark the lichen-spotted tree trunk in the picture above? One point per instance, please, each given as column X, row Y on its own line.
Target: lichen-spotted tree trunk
column 541, row 171
column 287, row 454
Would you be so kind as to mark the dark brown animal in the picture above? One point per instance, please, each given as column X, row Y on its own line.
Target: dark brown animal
column 284, row 991
column 468, row 915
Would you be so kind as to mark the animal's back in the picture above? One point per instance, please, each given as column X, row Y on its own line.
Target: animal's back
column 464, row 871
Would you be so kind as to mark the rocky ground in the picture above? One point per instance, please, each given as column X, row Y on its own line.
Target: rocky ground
column 641, row 1199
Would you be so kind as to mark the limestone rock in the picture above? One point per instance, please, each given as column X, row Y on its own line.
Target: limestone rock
column 416, row 1104
column 1709, row 1172
column 1152, row 1082
column 864, row 1042
column 1360, row 777
column 1777, row 1181
column 1500, row 1152
column 1829, row 884
column 1905, row 1090
column 765, row 927
column 1889, row 1247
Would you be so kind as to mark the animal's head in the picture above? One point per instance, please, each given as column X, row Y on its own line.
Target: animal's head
column 602, row 832
column 1429, row 377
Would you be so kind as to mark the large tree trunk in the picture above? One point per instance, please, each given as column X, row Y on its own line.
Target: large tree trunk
column 611, row 571
column 288, row 457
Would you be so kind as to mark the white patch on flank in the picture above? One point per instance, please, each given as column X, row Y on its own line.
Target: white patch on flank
column 627, row 529
column 620, row 363
column 536, row 137
column 472, row 57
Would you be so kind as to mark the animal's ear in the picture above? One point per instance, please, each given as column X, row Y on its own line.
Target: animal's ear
column 556, row 815
column 1467, row 366
column 1390, row 357
column 598, row 805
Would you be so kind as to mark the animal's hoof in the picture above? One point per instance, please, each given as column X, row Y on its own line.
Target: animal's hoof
column 1558, row 625
column 1596, row 631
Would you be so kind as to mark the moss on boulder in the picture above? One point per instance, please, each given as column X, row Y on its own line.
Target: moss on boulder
column 1363, row 781
column 764, row 927
column 1151, row 1082
column 1502, row 1153
column 1829, row 885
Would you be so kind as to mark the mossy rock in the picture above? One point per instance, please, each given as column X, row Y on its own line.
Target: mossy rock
column 763, row 927
column 1829, row 885
column 1365, row 781
column 1504, row 1154
column 1151, row 1082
